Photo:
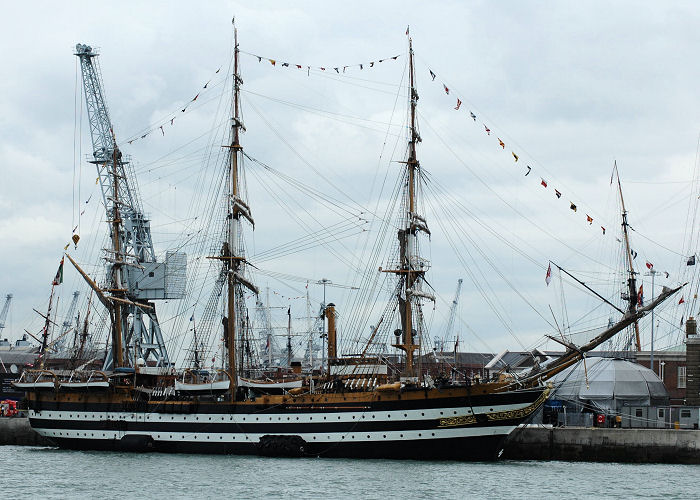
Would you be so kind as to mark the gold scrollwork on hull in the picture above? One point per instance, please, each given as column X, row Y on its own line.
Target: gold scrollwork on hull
column 496, row 416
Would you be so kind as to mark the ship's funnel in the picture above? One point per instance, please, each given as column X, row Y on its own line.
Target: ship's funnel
column 330, row 316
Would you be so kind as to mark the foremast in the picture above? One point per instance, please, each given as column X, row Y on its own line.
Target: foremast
column 412, row 267
column 233, row 254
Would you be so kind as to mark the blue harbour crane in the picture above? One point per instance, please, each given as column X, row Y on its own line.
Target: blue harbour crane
column 67, row 324
column 5, row 310
column 135, row 277
column 451, row 318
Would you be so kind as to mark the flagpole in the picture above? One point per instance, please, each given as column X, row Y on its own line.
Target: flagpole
column 47, row 323
column 652, row 273
column 631, row 281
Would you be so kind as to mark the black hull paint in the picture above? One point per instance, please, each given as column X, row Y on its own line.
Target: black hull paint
column 481, row 448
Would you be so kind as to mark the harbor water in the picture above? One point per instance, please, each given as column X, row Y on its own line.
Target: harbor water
column 52, row 473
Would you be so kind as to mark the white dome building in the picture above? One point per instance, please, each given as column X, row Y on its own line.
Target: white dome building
column 612, row 384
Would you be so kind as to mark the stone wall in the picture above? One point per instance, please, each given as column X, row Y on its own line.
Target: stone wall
column 17, row 431
column 604, row 445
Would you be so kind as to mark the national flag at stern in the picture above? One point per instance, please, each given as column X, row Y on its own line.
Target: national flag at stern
column 58, row 279
column 649, row 265
column 548, row 276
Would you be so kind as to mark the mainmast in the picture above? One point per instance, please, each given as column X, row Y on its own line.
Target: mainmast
column 411, row 266
column 233, row 257
column 631, row 280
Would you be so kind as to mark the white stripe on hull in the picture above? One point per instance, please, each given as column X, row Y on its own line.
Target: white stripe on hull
column 330, row 437
column 283, row 417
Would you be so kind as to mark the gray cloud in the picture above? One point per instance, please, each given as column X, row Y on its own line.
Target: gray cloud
column 568, row 86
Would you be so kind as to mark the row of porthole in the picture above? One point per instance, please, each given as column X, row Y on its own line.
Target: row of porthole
column 279, row 418
column 352, row 436
column 311, row 418
column 77, row 434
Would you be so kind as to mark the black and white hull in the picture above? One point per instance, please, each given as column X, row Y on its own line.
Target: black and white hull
column 437, row 428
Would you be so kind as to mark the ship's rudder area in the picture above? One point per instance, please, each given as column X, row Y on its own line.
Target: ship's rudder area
column 136, row 442
column 282, row 446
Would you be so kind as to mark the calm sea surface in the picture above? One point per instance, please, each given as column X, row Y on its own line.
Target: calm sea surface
column 51, row 473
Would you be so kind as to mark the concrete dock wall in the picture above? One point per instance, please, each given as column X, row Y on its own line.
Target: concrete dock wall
column 604, row 445
column 17, row 431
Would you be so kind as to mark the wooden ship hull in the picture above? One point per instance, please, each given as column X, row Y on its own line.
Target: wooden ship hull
column 450, row 423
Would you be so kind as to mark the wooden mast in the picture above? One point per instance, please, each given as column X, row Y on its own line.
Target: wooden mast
column 84, row 333
column 411, row 210
column 631, row 281
column 407, row 235
column 233, row 257
column 116, row 309
column 45, row 331
column 233, row 225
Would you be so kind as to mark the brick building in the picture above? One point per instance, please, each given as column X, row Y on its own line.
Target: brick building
column 670, row 366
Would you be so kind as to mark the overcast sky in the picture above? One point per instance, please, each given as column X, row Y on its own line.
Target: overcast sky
column 569, row 87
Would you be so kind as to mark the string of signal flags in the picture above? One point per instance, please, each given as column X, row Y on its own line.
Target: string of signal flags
column 169, row 121
column 341, row 68
column 574, row 207
column 338, row 69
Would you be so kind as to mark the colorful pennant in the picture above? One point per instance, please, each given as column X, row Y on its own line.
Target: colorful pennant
column 273, row 62
column 515, row 155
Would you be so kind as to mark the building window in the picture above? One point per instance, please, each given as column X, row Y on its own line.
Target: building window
column 662, row 413
column 681, row 377
column 685, row 413
column 638, row 412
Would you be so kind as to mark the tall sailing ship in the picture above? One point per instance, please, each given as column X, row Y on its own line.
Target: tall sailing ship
column 358, row 406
